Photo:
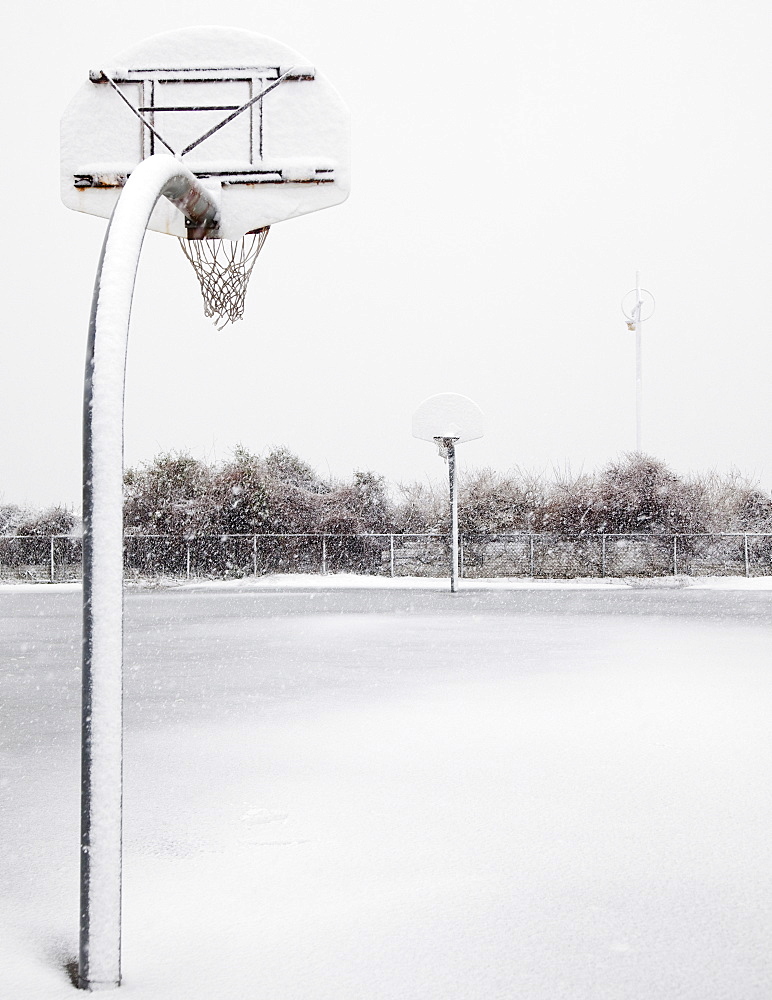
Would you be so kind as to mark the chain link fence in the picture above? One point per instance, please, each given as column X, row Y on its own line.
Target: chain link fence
column 58, row 558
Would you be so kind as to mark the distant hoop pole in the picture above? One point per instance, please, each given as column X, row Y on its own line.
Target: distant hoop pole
column 447, row 446
column 453, row 514
column 99, row 959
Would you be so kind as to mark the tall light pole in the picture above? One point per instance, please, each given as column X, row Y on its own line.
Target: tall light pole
column 637, row 307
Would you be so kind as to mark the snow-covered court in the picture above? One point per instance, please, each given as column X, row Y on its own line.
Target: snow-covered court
column 394, row 793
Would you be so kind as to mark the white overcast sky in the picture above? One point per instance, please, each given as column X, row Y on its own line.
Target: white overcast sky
column 513, row 165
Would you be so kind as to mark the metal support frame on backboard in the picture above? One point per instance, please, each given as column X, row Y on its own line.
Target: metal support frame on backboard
column 99, row 961
column 147, row 85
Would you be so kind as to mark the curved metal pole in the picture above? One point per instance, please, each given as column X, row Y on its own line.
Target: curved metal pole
column 99, row 963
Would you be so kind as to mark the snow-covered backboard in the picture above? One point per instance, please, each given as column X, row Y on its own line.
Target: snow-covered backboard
column 195, row 94
column 448, row 415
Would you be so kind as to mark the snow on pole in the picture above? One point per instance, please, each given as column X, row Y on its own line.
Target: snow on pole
column 450, row 444
column 102, row 733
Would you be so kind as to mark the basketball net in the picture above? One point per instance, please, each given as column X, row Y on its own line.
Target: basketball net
column 223, row 269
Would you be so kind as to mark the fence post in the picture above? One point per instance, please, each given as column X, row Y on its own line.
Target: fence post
column 51, row 560
column 461, row 556
column 324, row 555
column 603, row 556
column 530, row 539
column 391, row 554
column 254, row 555
column 187, row 560
column 675, row 555
column 747, row 561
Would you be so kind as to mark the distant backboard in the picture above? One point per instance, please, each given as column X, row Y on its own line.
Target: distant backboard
column 448, row 415
column 249, row 116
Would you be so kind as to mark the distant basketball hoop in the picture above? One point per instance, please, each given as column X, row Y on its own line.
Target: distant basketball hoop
column 449, row 419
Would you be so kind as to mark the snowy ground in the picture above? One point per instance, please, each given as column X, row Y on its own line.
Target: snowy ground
column 339, row 792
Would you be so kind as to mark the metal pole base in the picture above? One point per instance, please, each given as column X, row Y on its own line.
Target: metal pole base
column 96, row 986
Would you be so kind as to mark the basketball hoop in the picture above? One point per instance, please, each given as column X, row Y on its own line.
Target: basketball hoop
column 223, row 269
column 251, row 168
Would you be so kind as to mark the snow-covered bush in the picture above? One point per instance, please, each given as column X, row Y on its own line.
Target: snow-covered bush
column 172, row 495
column 297, row 500
column 566, row 505
column 490, row 501
column 754, row 510
column 736, row 503
column 11, row 517
column 238, row 502
column 278, row 493
column 282, row 465
column 640, row 493
column 420, row 507
column 52, row 521
column 633, row 494
column 359, row 507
